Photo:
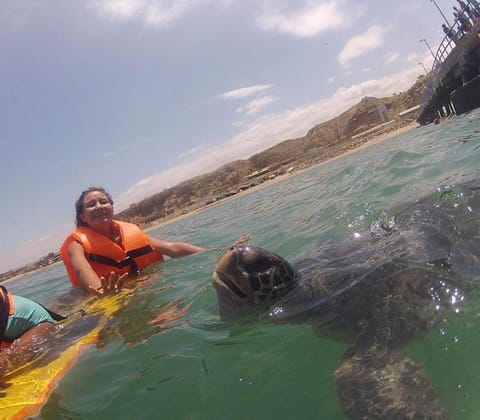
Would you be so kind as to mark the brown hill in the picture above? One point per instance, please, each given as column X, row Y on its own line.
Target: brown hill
column 322, row 142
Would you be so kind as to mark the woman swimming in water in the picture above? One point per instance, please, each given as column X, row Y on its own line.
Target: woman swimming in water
column 102, row 252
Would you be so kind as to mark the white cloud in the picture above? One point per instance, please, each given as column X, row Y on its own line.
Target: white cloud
column 391, row 57
column 157, row 13
column 358, row 45
column 244, row 92
column 315, row 17
column 120, row 9
column 412, row 58
column 385, row 86
column 256, row 105
column 192, row 152
column 425, row 59
column 267, row 131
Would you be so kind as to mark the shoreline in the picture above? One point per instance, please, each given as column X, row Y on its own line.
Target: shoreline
column 27, row 273
column 380, row 138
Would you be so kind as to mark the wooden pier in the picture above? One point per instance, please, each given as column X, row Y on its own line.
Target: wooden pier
column 454, row 81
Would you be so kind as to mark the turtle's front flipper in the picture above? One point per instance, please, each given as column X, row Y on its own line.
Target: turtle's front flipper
column 383, row 384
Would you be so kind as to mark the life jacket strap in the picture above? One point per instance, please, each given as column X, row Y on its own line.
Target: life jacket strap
column 127, row 261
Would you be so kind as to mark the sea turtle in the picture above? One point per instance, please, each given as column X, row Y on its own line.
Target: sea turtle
column 379, row 290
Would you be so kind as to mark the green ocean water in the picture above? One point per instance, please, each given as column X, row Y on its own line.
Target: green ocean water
column 200, row 368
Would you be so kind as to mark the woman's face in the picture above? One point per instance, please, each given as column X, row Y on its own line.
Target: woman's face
column 97, row 209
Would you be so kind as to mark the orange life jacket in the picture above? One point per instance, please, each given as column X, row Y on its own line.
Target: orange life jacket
column 106, row 256
column 7, row 308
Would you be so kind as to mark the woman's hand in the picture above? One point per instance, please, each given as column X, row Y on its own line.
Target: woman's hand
column 109, row 286
column 244, row 238
column 241, row 240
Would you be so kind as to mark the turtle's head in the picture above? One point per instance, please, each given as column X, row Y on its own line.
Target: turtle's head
column 248, row 279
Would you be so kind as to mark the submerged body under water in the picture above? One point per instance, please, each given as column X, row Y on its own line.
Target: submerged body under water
column 199, row 367
column 380, row 288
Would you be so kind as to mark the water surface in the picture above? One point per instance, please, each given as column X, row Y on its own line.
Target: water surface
column 200, row 368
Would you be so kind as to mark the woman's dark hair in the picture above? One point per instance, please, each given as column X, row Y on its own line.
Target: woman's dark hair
column 79, row 203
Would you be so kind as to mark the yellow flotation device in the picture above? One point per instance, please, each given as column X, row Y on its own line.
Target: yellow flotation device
column 24, row 391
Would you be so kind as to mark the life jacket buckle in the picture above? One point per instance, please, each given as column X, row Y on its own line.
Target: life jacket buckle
column 134, row 270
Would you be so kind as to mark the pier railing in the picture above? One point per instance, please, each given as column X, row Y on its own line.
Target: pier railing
column 447, row 45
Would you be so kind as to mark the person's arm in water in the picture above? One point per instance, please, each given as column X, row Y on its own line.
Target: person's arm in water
column 175, row 249
column 182, row 249
column 28, row 326
column 25, row 347
column 88, row 279
column 101, row 286
column 37, row 334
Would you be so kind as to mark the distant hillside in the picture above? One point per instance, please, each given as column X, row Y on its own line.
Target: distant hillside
column 322, row 142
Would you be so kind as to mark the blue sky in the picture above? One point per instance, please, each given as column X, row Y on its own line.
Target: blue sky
column 138, row 95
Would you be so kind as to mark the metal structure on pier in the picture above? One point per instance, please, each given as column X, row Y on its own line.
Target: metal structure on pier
column 453, row 86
